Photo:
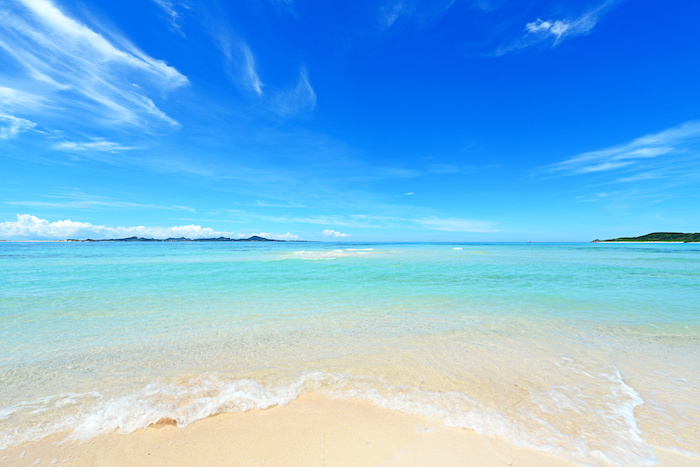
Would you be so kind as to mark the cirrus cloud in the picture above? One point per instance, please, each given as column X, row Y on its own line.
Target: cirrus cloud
column 676, row 145
column 11, row 126
column 73, row 66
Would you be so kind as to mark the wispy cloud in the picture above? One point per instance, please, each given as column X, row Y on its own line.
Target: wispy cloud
column 16, row 101
column 99, row 145
column 649, row 169
column 418, row 12
column 300, row 98
column 265, row 204
column 556, row 30
column 250, row 72
column 456, row 224
column 11, row 126
column 559, row 29
column 334, row 234
column 370, row 221
column 670, row 144
column 238, row 58
column 624, row 195
column 391, row 13
column 72, row 198
column 170, row 9
column 75, row 66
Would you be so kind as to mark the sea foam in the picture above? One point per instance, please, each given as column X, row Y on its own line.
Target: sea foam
column 331, row 254
column 184, row 401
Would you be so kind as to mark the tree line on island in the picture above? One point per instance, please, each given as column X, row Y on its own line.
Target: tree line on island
column 658, row 237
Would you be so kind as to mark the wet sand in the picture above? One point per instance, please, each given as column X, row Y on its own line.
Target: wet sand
column 310, row 431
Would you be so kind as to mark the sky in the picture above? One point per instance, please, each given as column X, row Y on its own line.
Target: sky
column 390, row 120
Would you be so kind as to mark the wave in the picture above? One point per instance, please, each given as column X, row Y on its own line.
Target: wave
column 331, row 254
column 616, row 440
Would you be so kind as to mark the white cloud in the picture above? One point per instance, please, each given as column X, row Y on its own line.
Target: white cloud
column 557, row 30
column 28, row 227
column 16, row 100
column 561, row 28
column 392, row 13
column 366, row 221
column 168, row 6
column 422, row 13
column 251, row 75
column 11, row 126
column 99, row 145
column 288, row 236
column 75, row 199
column 334, row 234
column 74, row 66
column 669, row 143
column 239, row 60
column 300, row 98
column 410, row 193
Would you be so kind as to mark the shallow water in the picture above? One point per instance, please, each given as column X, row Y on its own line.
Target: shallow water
column 586, row 351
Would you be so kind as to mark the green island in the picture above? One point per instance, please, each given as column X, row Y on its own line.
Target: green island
column 658, row 237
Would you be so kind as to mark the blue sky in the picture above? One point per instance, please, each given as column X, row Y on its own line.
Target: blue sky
column 473, row 120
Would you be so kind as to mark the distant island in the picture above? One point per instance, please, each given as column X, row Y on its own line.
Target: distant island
column 675, row 237
column 254, row 238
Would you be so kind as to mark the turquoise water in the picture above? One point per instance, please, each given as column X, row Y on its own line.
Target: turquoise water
column 586, row 351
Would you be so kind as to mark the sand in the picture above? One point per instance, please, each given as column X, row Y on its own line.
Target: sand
column 310, row 431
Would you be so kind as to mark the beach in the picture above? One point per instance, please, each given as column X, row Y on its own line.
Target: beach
column 312, row 430
column 352, row 354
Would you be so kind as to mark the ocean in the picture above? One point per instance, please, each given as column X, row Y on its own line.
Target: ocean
column 587, row 351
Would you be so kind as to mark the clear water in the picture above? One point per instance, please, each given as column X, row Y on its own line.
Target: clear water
column 587, row 351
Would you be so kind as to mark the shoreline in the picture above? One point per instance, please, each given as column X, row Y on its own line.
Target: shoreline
column 606, row 241
column 310, row 430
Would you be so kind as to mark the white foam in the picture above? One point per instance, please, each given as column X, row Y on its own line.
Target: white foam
column 332, row 254
column 188, row 400
column 181, row 403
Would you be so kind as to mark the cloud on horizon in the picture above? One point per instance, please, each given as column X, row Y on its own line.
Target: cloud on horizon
column 28, row 227
column 334, row 234
column 287, row 236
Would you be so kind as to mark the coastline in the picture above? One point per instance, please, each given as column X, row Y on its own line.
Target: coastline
column 587, row 358
column 607, row 241
column 310, row 430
